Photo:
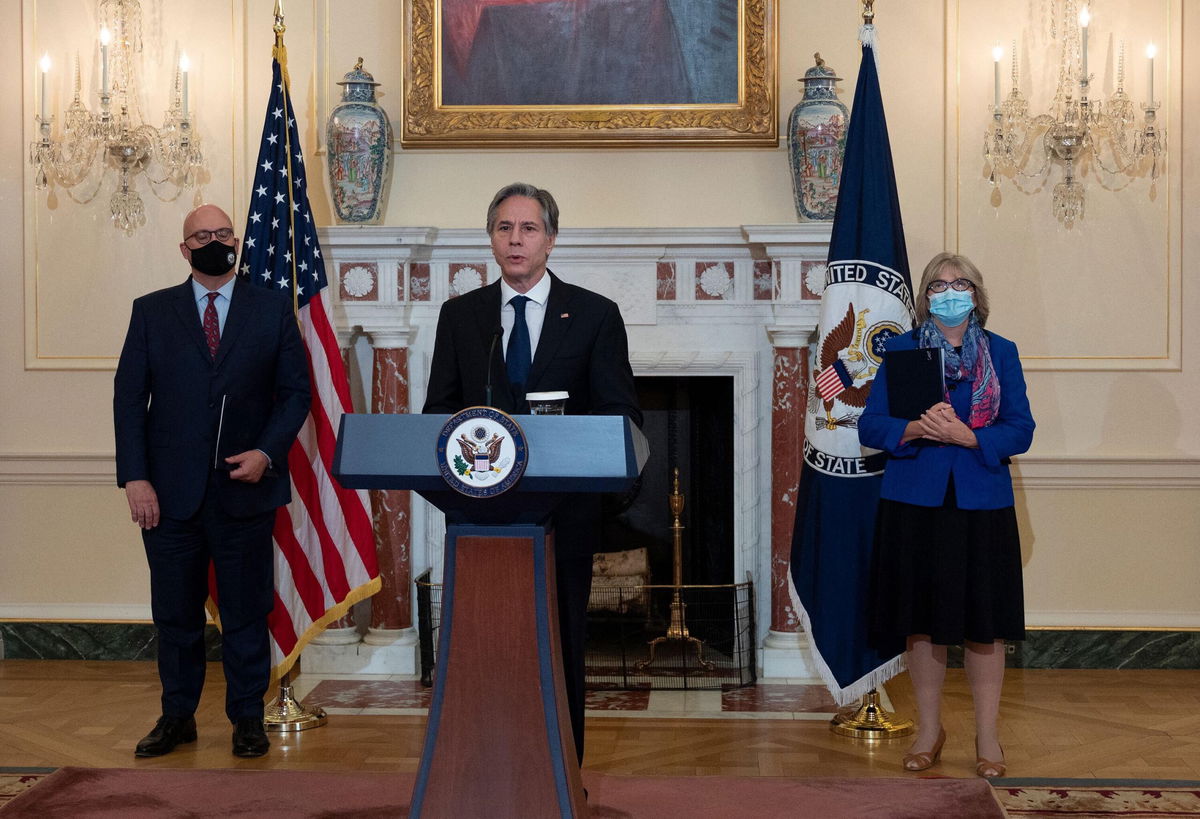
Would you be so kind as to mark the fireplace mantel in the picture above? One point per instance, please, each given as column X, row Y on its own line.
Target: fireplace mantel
column 737, row 301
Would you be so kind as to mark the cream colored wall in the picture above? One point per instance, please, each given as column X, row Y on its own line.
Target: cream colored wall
column 1109, row 492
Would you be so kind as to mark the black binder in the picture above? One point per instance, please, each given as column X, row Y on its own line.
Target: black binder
column 233, row 437
column 916, row 381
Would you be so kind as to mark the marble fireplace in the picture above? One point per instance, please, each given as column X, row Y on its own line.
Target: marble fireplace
column 740, row 302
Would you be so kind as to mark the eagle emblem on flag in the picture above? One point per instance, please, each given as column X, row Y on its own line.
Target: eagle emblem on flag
column 847, row 370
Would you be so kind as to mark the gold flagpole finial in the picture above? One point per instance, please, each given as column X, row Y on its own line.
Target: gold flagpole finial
column 280, row 51
column 868, row 12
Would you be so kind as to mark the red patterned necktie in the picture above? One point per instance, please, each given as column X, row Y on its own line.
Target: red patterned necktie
column 212, row 327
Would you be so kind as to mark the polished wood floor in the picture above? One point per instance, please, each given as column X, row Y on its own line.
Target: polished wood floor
column 1057, row 724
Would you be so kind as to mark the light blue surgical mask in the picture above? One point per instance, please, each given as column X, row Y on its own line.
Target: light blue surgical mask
column 951, row 307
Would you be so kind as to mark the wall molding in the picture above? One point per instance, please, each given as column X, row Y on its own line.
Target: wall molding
column 1029, row 472
column 1035, row 620
column 1112, row 620
column 76, row 612
column 58, row 468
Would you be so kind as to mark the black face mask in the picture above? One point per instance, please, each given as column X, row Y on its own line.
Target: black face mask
column 214, row 258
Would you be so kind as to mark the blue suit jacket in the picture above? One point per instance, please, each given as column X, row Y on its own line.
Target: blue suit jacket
column 168, row 392
column 919, row 474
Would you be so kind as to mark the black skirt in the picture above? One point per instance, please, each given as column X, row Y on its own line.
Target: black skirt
column 954, row 574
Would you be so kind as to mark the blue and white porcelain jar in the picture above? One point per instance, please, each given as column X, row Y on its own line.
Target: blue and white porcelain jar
column 359, row 138
column 817, row 143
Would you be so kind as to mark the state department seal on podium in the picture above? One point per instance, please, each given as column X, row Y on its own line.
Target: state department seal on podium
column 481, row 452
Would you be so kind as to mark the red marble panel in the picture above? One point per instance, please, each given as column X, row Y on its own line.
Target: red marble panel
column 358, row 281
column 788, row 401
column 347, row 620
column 603, row 699
column 418, row 282
column 369, row 694
column 391, row 509
column 714, row 281
column 810, row 271
column 794, row 699
column 465, row 277
column 766, row 280
column 666, row 281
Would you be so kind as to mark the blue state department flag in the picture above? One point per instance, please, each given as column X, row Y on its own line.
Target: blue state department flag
column 867, row 300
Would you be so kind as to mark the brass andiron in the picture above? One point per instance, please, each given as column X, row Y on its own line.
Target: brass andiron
column 678, row 629
column 286, row 715
column 869, row 720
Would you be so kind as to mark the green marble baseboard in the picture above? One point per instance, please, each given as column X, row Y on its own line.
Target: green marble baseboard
column 1094, row 648
column 30, row 640
column 1042, row 648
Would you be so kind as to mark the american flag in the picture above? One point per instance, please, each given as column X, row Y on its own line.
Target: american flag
column 325, row 557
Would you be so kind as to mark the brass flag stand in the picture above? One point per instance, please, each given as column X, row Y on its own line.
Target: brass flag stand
column 287, row 715
column 677, row 630
column 869, row 720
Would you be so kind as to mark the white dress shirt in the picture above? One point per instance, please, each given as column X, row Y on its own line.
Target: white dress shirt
column 535, row 311
column 225, row 293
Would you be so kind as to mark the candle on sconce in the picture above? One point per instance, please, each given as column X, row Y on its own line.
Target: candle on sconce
column 1151, row 51
column 184, row 64
column 997, row 54
column 105, row 39
column 1085, row 17
column 1014, row 65
column 44, row 63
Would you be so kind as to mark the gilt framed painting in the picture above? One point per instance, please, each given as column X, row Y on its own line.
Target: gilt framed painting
column 571, row 73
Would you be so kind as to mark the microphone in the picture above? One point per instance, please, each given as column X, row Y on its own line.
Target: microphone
column 497, row 334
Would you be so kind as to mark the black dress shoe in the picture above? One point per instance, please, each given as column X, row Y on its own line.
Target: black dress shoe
column 168, row 732
column 249, row 737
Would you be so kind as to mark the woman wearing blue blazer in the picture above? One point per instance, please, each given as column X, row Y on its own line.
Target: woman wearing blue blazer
column 947, row 562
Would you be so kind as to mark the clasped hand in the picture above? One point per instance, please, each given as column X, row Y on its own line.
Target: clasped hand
column 941, row 423
column 248, row 466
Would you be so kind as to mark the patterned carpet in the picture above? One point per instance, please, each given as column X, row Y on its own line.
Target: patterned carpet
column 14, row 781
column 1084, row 798
column 1075, row 799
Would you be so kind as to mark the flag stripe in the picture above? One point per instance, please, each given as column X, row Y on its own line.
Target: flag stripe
column 353, row 503
column 303, row 579
column 321, row 558
column 281, row 626
column 319, row 319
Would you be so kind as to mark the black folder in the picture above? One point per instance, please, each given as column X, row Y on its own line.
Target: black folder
column 916, row 381
column 234, row 437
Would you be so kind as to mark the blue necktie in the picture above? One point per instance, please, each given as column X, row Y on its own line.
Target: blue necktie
column 517, row 356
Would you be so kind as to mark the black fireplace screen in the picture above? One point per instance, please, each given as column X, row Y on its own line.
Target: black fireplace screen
column 645, row 637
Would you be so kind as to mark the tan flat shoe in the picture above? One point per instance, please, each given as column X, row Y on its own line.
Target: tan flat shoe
column 988, row 768
column 925, row 759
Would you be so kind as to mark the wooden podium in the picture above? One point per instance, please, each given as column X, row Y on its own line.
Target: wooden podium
column 498, row 741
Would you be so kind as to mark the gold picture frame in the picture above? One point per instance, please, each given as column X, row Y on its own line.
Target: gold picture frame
column 486, row 121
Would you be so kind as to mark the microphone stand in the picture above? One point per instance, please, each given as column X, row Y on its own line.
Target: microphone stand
column 496, row 335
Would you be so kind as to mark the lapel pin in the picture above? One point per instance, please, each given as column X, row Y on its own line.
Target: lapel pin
column 565, row 315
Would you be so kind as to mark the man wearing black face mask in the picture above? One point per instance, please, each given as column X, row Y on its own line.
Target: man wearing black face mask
column 210, row 391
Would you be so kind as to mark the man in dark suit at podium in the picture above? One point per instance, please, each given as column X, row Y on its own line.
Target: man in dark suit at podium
column 552, row 336
column 211, row 389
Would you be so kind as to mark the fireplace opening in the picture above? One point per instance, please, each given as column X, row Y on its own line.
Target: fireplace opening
column 643, row 632
column 688, row 422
